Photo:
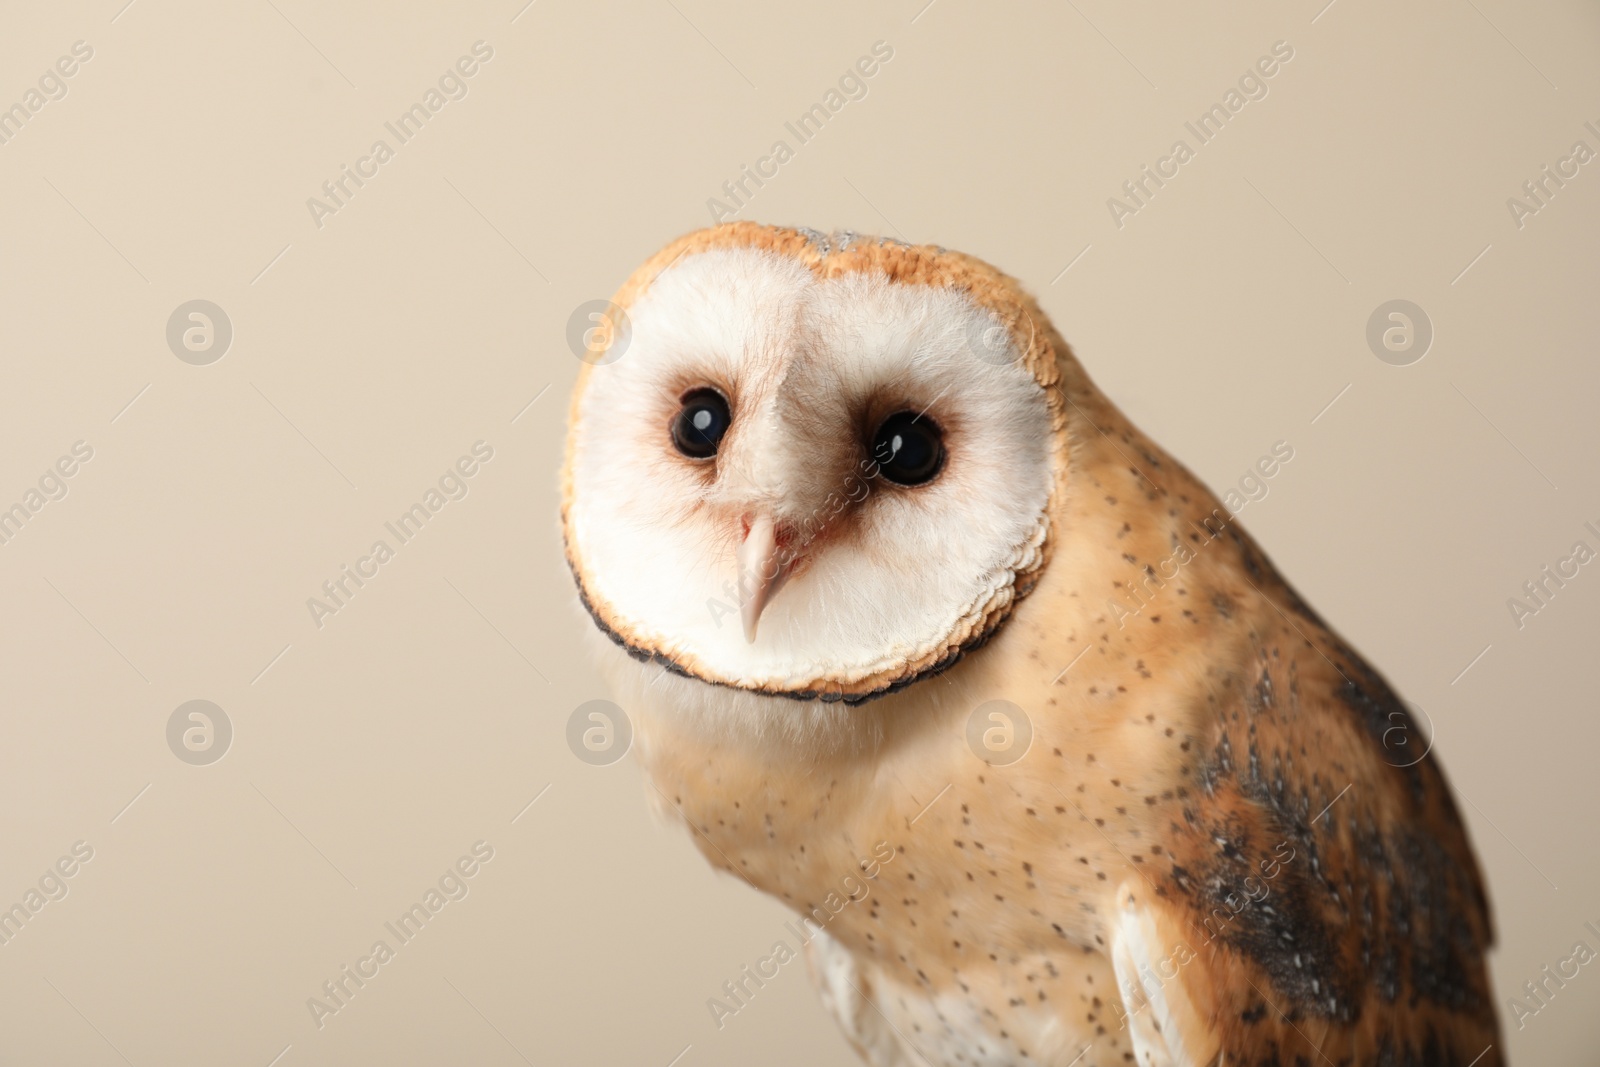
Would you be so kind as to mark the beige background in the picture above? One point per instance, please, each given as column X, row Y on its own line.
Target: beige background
column 428, row 313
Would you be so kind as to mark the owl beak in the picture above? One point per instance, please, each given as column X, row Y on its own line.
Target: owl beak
column 761, row 571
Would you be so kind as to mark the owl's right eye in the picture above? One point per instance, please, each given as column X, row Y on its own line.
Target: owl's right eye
column 700, row 424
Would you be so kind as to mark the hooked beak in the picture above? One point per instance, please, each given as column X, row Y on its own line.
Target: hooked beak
column 762, row 571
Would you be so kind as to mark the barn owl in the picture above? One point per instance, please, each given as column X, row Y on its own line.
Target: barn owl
column 898, row 600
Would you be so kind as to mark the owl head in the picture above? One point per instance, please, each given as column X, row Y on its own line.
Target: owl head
column 813, row 466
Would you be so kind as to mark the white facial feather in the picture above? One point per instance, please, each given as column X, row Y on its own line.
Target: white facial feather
column 810, row 367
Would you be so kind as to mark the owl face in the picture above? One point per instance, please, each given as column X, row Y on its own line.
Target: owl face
column 805, row 476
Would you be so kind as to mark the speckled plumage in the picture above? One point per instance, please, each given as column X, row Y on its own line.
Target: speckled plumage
column 1207, row 855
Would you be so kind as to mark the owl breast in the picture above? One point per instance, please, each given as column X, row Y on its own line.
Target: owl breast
column 892, row 1024
column 952, row 912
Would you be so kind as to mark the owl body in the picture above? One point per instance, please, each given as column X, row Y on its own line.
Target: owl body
column 941, row 652
column 973, row 969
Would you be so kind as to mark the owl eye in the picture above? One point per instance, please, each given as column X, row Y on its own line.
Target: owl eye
column 698, row 427
column 909, row 448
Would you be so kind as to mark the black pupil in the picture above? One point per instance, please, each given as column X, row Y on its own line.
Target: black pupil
column 700, row 424
column 908, row 448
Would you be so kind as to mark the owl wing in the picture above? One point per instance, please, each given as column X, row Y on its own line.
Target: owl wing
column 846, row 990
column 1168, row 1028
column 1322, row 903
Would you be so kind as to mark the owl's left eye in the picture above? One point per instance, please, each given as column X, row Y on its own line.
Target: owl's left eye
column 909, row 449
column 700, row 424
